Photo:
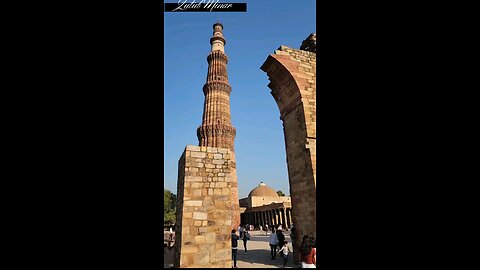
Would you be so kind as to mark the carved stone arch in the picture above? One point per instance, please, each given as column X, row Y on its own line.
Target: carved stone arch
column 292, row 75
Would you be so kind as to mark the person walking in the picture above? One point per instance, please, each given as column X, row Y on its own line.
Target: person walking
column 280, row 238
column 246, row 237
column 308, row 253
column 284, row 252
column 234, row 247
column 273, row 241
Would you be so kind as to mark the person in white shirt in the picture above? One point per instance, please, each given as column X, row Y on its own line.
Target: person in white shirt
column 284, row 252
column 273, row 241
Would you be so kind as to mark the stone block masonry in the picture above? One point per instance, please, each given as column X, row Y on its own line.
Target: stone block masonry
column 205, row 209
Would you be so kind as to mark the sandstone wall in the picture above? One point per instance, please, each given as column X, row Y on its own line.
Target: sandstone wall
column 206, row 176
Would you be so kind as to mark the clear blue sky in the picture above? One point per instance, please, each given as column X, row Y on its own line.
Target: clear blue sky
column 251, row 36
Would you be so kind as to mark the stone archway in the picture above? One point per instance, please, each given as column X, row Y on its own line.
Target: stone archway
column 292, row 75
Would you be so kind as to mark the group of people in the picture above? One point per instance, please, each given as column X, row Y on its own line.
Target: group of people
column 277, row 241
column 271, row 227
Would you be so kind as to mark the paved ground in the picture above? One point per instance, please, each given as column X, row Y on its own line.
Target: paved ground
column 258, row 253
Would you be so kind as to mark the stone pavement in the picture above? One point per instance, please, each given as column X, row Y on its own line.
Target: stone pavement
column 258, row 253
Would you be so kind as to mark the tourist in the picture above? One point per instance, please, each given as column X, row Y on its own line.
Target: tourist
column 240, row 230
column 246, row 237
column 261, row 229
column 234, row 247
column 280, row 237
column 308, row 253
column 279, row 227
column 284, row 252
column 273, row 241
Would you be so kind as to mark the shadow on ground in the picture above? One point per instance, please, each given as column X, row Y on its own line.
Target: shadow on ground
column 260, row 258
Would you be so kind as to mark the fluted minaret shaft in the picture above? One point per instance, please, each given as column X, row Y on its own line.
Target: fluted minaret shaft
column 216, row 129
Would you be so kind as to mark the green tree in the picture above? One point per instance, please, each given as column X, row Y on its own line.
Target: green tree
column 280, row 193
column 169, row 206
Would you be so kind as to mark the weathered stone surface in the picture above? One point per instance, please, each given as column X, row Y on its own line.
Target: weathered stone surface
column 198, row 154
column 192, row 203
column 210, row 237
column 199, row 215
column 218, row 161
column 206, row 215
column 189, row 249
column 292, row 75
column 200, row 239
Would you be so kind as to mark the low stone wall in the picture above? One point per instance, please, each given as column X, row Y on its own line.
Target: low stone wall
column 204, row 208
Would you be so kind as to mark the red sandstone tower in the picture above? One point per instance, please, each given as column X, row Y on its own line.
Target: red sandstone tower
column 216, row 129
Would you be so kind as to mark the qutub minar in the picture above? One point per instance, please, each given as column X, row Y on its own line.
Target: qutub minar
column 207, row 189
column 216, row 129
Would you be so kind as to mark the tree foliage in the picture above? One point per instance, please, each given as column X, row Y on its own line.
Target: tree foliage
column 280, row 193
column 169, row 206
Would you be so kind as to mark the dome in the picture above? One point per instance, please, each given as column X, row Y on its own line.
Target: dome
column 263, row 191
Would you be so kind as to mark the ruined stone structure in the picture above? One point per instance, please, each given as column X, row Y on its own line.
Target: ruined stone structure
column 292, row 75
column 204, row 208
column 207, row 190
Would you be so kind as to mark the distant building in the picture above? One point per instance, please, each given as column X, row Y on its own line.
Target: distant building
column 264, row 206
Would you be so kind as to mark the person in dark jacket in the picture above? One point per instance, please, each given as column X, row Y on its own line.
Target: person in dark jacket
column 235, row 238
column 246, row 237
column 281, row 238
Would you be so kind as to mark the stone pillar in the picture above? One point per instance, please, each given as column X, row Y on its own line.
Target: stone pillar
column 272, row 217
column 274, row 212
column 204, row 208
column 275, row 216
column 279, row 214
column 282, row 213
column 269, row 219
column 289, row 221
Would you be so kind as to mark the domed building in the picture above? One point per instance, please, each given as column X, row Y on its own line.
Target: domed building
column 264, row 206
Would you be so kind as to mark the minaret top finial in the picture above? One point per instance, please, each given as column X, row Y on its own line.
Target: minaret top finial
column 218, row 41
column 218, row 23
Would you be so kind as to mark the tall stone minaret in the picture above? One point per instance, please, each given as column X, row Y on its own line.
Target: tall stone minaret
column 216, row 129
